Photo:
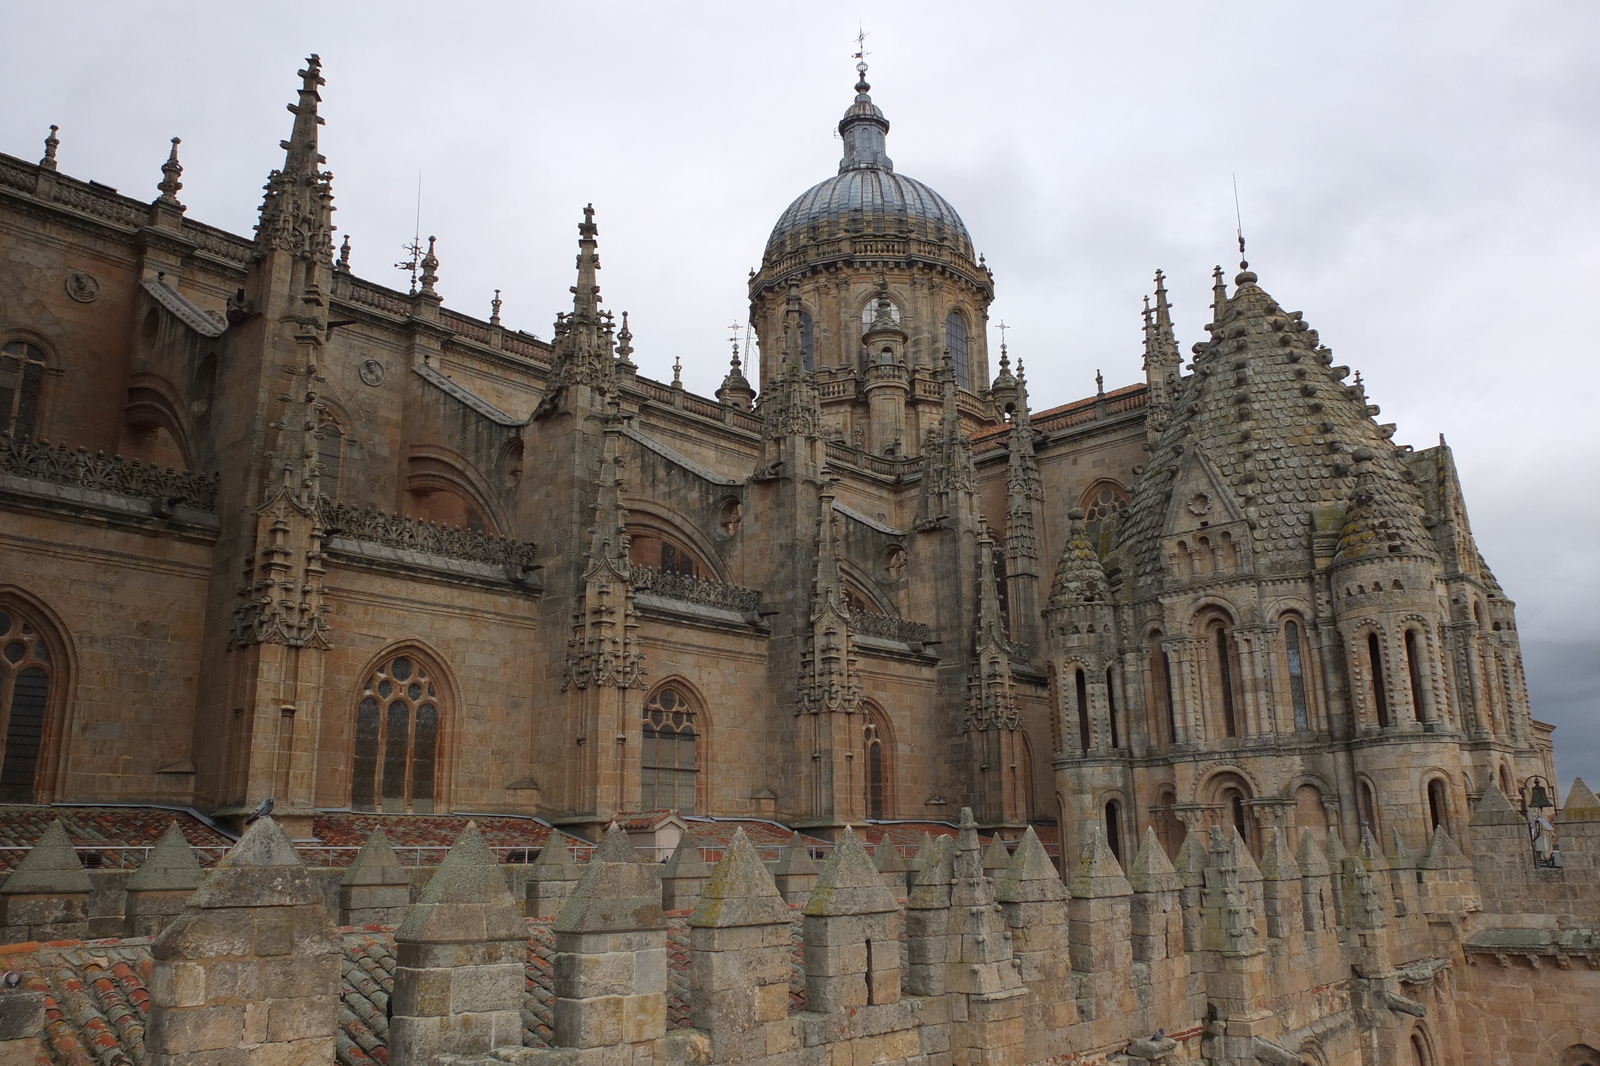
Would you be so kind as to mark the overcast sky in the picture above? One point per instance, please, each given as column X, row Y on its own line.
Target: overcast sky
column 1419, row 179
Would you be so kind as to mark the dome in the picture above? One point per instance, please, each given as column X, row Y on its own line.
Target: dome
column 855, row 199
column 867, row 197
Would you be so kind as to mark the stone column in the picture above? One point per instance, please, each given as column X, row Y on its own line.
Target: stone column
column 611, row 953
column 249, row 973
column 741, row 944
column 462, row 952
column 159, row 889
column 47, row 895
column 376, row 889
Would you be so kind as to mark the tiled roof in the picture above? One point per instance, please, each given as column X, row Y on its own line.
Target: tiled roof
column 97, row 1003
column 428, row 836
column 1279, row 426
column 713, row 835
column 123, row 833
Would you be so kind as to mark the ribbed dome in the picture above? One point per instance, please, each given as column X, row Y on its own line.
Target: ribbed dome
column 867, row 197
column 856, row 200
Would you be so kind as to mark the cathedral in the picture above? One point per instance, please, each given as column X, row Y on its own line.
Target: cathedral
column 273, row 535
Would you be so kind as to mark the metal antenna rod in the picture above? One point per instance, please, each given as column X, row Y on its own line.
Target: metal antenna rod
column 1238, row 218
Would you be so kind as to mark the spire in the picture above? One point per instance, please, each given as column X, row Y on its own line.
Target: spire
column 296, row 213
column 864, row 130
column 625, row 344
column 583, row 346
column 494, row 304
column 1161, row 361
column 343, row 263
column 51, row 143
column 829, row 680
column 430, row 271
column 1219, row 293
column 171, row 171
column 1080, row 577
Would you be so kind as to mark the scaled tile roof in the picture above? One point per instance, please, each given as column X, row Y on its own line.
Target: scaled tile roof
column 343, row 833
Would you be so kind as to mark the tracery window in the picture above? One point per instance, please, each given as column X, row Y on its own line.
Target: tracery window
column 26, row 671
column 1100, row 504
column 955, row 339
column 668, row 762
column 22, row 368
column 1294, row 651
column 397, row 739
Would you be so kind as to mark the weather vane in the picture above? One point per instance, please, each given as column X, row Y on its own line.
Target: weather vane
column 415, row 247
column 861, row 52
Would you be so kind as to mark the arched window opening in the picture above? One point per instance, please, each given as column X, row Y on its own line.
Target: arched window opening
column 1369, row 807
column 876, row 804
column 1505, row 780
column 1236, row 812
column 808, row 341
column 1419, row 1051
column 667, row 555
column 1225, row 679
column 1166, row 702
column 1169, row 829
column 26, row 671
column 955, row 339
column 1380, row 695
column 1055, row 709
column 1437, row 804
column 1114, row 828
column 21, row 382
column 1111, row 707
column 1083, row 709
column 330, row 447
column 668, row 763
column 1309, row 813
column 1101, row 503
column 1295, row 651
column 398, row 716
column 1414, row 670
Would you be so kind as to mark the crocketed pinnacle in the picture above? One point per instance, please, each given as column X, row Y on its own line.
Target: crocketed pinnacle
column 296, row 213
column 1079, row 576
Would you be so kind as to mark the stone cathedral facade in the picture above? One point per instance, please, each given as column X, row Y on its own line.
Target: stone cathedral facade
column 271, row 529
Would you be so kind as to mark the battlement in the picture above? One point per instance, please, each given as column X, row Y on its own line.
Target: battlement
column 969, row 954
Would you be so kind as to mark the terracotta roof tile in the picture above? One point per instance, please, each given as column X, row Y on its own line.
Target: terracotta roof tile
column 116, row 837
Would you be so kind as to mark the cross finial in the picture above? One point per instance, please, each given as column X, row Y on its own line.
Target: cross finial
column 861, row 43
column 1002, row 327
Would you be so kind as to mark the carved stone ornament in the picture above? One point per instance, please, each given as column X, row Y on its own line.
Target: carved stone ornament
column 1199, row 504
column 83, row 287
column 372, row 372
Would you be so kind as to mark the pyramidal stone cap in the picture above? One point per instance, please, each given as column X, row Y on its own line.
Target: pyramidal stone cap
column 171, row 866
column 796, row 860
column 50, row 868
column 466, row 900
column 686, row 860
column 376, row 864
column 1581, row 806
column 740, row 892
column 1099, row 873
column 1031, row 877
column 849, row 883
column 261, row 870
column 1151, row 870
column 616, row 894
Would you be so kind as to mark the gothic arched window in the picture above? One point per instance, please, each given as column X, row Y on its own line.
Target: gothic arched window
column 26, row 671
column 330, row 447
column 955, row 339
column 397, row 739
column 808, row 341
column 22, row 368
column 1100, row 504
column 1294, row 651
column 877, row 791
column 668, row 764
